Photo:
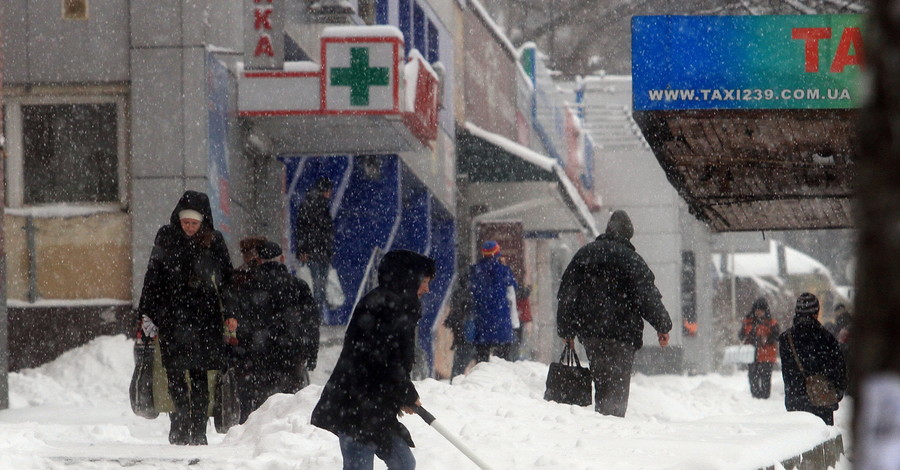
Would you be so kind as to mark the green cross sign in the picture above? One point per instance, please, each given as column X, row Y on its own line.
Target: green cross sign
column 359, row 76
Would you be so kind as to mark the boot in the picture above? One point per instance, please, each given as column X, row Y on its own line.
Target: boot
column 179, row 434
column 198, row 429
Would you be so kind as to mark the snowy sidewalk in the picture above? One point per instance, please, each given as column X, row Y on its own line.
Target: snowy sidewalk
column 74, row 413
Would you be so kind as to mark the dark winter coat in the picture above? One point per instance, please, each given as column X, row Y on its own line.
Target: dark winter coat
column 183, row 286
column 314, row 229
column 459, row 319
column 819, row 353
column 278, row 320
column 607, row 291
column 489, row 280
column 371, row 380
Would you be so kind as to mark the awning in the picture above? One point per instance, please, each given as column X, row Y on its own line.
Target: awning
column 517, row 183
column 744, row 170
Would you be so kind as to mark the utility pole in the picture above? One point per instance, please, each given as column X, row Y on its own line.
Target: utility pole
column 875, row 362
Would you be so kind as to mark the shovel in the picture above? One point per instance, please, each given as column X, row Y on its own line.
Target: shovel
column 432, row 421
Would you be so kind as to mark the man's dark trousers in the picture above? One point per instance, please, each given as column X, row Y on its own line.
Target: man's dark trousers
column 611, row 363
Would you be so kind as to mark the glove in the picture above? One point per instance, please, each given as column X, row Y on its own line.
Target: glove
column 150, row 330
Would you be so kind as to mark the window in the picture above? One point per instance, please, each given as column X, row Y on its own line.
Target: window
column 405, row 20
column 75, row 9
column 65, row 152
column 381, row 12
column 419, row 29
column 433, row 44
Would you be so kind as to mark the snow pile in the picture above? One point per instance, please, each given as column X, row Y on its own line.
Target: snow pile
column 74, row 413
column 95, row 374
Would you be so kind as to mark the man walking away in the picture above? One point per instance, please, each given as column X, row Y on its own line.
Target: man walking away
column 492, row 286
column 818, row 353
column 606, row 293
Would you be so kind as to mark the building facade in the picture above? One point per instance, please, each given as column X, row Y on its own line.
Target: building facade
column 114, row 108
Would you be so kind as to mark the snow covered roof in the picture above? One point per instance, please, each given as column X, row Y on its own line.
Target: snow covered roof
column 765, row 264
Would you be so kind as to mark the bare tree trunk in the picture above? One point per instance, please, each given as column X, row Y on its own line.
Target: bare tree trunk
column 875, row 367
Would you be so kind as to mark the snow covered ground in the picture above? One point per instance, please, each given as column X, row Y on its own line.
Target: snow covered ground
column 74, row 413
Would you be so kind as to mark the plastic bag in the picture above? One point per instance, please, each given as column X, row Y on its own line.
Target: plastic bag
column 334, row 293
column 141, row 389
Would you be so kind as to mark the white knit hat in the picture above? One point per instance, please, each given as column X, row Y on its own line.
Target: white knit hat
column 190, row 214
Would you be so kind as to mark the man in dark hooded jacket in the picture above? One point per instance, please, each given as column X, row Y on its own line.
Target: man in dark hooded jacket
column 314, row 236
column 606, row 293
column 818, row 353
column 277, row 332
column 188, row 271
column 371, row 382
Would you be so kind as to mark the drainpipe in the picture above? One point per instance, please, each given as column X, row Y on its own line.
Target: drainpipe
column 32, row 259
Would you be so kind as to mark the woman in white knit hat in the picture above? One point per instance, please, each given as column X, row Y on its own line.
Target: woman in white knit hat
column 188, row 270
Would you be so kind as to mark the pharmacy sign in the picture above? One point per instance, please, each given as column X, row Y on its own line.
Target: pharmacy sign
column 361, row 73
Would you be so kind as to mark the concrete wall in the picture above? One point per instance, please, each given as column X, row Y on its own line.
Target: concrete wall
column 169, row 144
column 40, row 46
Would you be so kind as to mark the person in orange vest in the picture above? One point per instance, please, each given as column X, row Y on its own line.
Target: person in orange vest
column 761, row 330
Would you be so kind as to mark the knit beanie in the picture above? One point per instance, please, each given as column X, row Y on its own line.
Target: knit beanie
column 268, row 250
column 620, row 225
column 807, row 305
column 190, row 214
column 490, row 248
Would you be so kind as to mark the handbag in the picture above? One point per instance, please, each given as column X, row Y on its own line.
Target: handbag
column 567, row 381
column 140, row 391
column 227, row 406
column 819, row 389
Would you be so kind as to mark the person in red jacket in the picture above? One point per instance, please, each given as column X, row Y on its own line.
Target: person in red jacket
column 761, row 330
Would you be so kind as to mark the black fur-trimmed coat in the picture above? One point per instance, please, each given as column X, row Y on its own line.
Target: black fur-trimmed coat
column 183, row 288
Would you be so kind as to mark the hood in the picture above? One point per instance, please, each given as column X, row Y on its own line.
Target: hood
column 197, row 201
column 402, row 271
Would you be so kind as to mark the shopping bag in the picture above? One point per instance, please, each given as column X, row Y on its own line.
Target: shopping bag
column 141, row 389
column 567, row 381
column 227, row 406
column 820, row 391
column 305, row 275
column 334, row 293
column 161, row 399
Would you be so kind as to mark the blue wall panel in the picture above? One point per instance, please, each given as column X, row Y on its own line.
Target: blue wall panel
column 378, row 204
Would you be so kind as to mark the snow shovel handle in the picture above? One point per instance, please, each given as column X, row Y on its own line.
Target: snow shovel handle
column 431, row 421
column 424, row 414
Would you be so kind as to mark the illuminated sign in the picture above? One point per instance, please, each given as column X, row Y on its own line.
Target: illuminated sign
column 747, row 62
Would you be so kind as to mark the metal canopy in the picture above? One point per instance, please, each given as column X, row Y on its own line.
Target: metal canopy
column 331, row 134
column 516, row 183
column 744, row 170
